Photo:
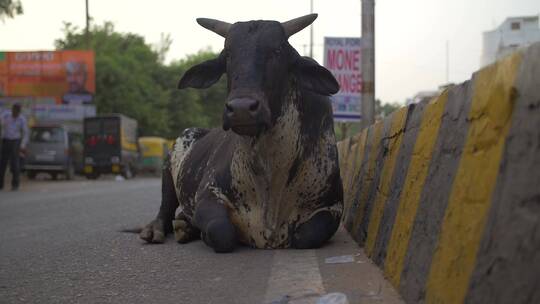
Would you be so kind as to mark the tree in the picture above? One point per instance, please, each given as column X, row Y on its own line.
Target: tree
column 126, row 68
column 383, row 110
column 211, row 100
column 10, row 8
column 163, row 46
column 131, row 78
column 192, row 107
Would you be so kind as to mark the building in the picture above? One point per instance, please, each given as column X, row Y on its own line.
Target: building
column 514, row 33
column 421, row 96
column 427, row 95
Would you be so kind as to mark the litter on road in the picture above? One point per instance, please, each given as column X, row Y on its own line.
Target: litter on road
column 333, row 298
column 339, row 259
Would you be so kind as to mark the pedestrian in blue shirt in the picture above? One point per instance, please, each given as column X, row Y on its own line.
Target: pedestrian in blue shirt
column 14, row 139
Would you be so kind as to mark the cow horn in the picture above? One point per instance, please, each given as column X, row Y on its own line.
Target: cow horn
column 219, row 27
column 295, row 25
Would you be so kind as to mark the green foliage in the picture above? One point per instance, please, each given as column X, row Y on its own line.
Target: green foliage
column 132, row 79
column 10, row 8
column 383, row 110
column 193, row 107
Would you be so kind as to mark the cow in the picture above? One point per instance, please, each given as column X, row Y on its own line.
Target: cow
column 269, row 178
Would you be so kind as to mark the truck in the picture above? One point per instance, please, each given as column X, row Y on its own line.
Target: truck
column 110, row 146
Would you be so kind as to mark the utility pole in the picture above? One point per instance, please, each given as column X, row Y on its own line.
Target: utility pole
column 87, row 30
column 368, row 62
column 311, row 32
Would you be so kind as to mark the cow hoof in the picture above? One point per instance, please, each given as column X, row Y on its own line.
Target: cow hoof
column 184, row 232
column 154, row 232
column 220, row 235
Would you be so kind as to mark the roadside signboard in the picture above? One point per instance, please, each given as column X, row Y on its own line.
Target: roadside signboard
column 45, row 110
column 66, row 76
column 63, row 112
column 342, row 58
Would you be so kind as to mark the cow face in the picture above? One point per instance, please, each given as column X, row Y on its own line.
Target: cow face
column 260, row 65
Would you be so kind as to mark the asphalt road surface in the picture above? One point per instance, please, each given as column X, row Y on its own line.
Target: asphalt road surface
column 60, row 243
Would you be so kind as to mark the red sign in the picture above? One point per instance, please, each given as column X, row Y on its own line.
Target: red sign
column 342, row 57
column 66, row 76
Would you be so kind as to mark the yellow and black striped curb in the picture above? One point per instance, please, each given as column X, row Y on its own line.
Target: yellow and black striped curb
column 444, row 195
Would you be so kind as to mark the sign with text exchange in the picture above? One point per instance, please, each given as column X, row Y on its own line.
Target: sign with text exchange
column 342, row 58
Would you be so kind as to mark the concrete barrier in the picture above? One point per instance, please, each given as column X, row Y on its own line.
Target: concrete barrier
column 444, row 195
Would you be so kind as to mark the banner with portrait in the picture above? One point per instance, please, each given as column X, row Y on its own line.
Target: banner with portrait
column 66, row 76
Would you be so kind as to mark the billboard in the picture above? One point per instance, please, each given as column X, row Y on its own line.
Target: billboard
column 342, row 58
column 68, row 77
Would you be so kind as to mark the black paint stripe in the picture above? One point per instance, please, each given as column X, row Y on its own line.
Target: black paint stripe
column 435, row 193
column 414, row 119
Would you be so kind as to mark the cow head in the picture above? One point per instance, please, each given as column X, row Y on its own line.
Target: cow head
column 260, row 65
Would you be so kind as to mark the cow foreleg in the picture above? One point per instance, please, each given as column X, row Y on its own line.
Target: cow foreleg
column 217, row 230
column 316, row 231
column 156, row 230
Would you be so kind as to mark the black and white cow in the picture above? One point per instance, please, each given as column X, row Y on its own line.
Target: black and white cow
column 270, row 177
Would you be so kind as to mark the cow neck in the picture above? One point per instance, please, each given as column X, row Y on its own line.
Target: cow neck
column 270, row 158
column 281, row 142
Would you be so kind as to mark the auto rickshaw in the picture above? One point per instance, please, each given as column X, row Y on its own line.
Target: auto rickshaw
column 170, row 143
column 153, row 152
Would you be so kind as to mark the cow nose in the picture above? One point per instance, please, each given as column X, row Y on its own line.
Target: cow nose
column 242, row 109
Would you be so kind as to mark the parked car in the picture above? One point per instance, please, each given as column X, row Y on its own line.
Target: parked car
column 110, row 146
column 153, row 152
column 53, row 150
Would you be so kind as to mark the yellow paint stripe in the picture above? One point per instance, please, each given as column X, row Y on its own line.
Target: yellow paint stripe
column 358, row 151
column 343, row 151
column 359, row 154
column 368, row 175
column 339, row 146
column 350, row 189
column 346, row 163
column 412, row 188
column 396, row 130
column 347, row 172
column 470, row 199
column 351, row 163
column 349, row 160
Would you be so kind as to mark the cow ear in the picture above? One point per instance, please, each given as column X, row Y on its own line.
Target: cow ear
column 203, row 75
column 314, row 77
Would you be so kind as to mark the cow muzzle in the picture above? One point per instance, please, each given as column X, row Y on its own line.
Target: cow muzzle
column 243, row 116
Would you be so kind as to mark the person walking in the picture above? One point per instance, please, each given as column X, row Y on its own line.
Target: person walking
column 14, row 139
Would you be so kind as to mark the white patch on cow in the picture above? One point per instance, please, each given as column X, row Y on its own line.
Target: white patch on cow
column 181, row 149
column 260, row 171
column 221, row 198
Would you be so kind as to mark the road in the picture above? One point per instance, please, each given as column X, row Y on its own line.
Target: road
column 60, row 244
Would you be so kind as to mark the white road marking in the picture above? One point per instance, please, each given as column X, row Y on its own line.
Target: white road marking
column 295, row 278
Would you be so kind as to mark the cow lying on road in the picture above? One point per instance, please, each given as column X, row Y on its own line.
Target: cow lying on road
column 270, row 178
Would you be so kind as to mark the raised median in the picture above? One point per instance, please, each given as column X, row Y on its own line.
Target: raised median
column 444, row 195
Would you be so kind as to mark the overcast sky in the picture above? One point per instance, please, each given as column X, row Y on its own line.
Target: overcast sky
column 411, row 35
